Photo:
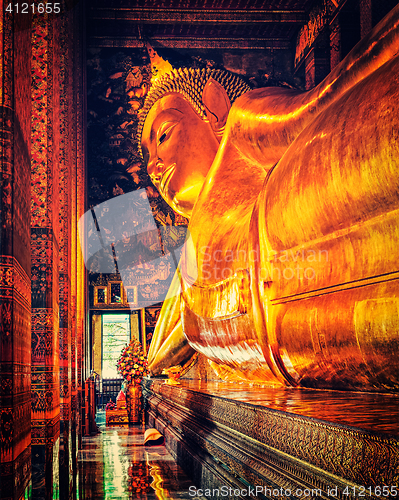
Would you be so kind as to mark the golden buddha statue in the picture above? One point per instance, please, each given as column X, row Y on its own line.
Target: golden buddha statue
column 293, row 205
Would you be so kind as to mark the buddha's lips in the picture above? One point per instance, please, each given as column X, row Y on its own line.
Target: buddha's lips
column 166, row 177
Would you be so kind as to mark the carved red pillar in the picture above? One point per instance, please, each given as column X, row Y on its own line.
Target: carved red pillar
column 335, row 43
column 317, row 66
column 45, row 241
column 80, row 368
column 366, row 22
column 71, row 269
column 66, row 331
column 15, row 297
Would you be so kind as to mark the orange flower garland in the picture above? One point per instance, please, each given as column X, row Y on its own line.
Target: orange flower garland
column 132, row 363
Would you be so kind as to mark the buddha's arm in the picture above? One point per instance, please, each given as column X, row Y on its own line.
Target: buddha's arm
column 264, row 122
column 169, row 346
column 174, row 351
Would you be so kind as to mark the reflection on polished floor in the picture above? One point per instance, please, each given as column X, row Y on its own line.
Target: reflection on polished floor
column 115, row 464
column 363, row 410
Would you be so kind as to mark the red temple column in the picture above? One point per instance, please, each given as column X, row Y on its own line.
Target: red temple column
column 80, row 344
column 317, row 66
column 366, row 17
column 66, row 273
column 15, row 296
column 45, row 244
column 71, row 273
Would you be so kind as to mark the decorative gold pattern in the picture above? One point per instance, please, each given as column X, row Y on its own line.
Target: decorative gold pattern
column 116, row 417
column 14, row 281
column 294, row 446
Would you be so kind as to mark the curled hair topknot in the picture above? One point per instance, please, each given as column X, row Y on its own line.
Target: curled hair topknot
column 190, row 83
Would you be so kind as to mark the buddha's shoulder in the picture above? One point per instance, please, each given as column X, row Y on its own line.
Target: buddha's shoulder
column 258, row 102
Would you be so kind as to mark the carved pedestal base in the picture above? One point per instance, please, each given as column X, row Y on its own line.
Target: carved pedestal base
column 241, row 445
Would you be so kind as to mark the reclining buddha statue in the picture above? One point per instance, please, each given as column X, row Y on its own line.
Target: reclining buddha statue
column 293, row 204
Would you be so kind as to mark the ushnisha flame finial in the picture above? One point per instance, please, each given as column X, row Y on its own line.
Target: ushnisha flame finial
column 159, row 66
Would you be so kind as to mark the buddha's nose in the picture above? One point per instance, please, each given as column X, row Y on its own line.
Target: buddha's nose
column 155, row 169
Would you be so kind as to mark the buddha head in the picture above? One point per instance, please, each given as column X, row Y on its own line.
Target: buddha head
column 180, row 128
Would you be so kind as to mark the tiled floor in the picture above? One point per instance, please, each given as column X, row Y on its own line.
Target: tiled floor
column 115, row 464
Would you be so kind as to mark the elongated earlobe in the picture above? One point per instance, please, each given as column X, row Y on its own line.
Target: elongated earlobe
column 217, row 105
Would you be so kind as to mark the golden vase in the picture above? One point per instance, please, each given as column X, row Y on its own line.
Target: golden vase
column 134, row 403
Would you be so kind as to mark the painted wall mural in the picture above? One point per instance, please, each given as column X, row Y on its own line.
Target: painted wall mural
column 118, row 82
column 117, row 86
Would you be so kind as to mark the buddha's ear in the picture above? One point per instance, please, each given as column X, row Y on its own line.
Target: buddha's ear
column 217, row 105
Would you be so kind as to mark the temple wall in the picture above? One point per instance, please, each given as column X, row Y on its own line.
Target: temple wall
column 332, row 31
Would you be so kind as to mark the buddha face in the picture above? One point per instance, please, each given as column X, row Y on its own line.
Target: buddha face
column 179, row 148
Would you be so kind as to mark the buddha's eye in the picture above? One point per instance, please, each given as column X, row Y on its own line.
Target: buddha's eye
column 164, row 132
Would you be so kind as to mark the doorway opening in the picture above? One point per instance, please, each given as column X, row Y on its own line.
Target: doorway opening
column 111, row 332
column 116, row 334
